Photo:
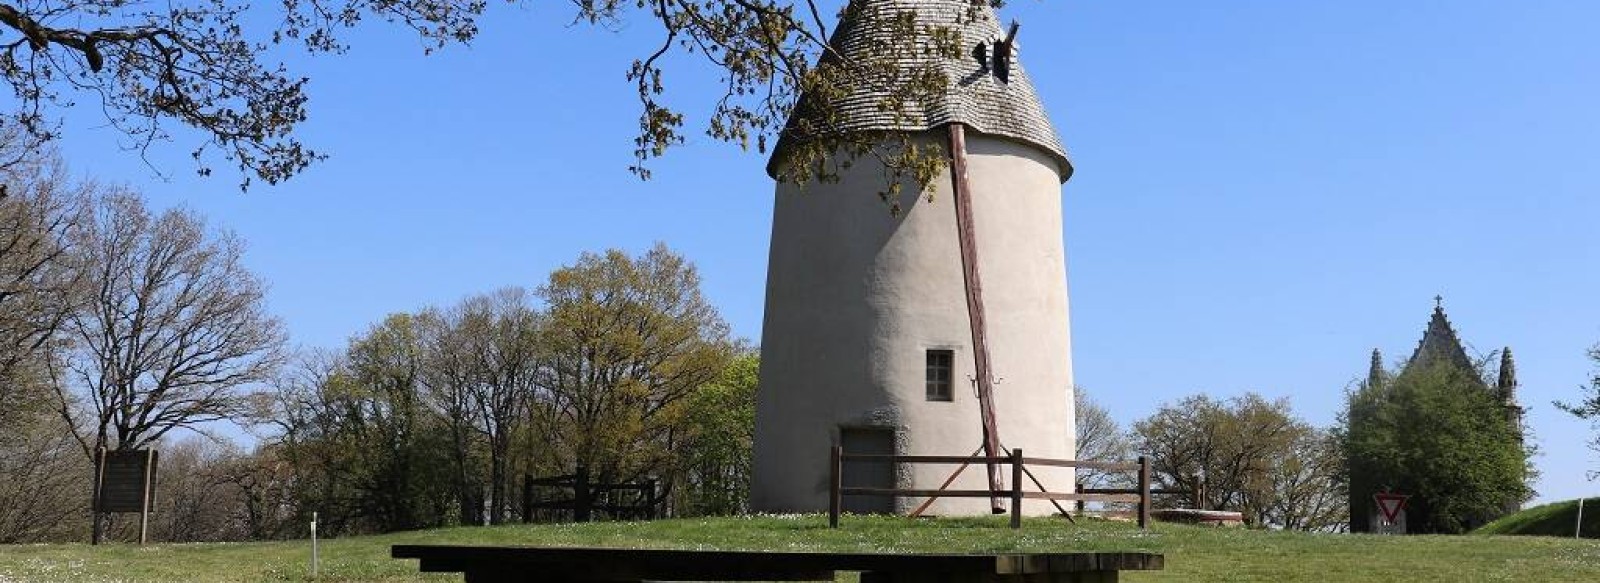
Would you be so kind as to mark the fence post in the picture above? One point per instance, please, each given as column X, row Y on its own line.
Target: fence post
column 654, row 510
column 1078, row 504
column 527, row 498
column 835, row 473
column 1016, row 488
column 580, row 495
column 1144, row 492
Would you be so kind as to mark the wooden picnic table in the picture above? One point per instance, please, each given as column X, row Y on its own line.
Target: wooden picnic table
column 503, row 564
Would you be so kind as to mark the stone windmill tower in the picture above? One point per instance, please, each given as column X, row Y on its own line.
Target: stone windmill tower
column 939, row 331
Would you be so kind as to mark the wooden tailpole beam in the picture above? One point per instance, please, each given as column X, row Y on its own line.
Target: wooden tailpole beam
column 947, row 481
column 974, row 287
column 1040, row 485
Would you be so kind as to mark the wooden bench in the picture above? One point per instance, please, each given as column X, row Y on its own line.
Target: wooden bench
column 484, row 564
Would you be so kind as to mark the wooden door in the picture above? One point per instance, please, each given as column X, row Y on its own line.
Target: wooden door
column 856, row 474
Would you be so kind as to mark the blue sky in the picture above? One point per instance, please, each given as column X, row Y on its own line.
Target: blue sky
column 1266, row 191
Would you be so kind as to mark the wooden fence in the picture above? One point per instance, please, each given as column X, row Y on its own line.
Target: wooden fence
column 1018, row 465
column 626, row 501
column 1196, row 496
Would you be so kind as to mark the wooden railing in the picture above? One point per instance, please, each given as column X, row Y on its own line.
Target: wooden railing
column 1018, row 464
column 1196, row 496
column 589, row 497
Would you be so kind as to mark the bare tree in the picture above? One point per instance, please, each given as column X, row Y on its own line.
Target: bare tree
column 174, row 332
column 1099, row 438
column 39, row 464
column 502, row 336
column 41, row 478
column 1306, row 485
column 197, row 503
column 39, row 207
column 1589, row 407
column 448, row 376
column 1252, row 455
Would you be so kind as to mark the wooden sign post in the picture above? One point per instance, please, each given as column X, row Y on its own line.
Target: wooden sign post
column 124, row 483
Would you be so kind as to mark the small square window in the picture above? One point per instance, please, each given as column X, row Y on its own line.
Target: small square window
column 938, row 375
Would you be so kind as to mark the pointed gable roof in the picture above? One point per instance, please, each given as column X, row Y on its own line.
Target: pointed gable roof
column 976, row 98
column 1439, row 343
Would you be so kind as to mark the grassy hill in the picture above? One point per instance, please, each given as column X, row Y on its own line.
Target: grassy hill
column 1556, row 519
column 1193, row 553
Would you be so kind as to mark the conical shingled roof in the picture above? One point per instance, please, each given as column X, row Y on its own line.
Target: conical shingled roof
column 976, row 98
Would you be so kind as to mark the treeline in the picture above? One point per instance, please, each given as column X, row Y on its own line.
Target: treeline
column 1440, row 433
column 1246, row 454
column 124, row 328
column 616, row 364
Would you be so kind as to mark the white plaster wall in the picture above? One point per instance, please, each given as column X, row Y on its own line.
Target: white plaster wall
column 855, row 297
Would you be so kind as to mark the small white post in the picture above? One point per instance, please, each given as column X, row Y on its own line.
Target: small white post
column 1578, row 532
column 314, row 556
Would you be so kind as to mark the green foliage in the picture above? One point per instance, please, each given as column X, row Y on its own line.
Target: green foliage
column 721, row 425
column 204, row 64
column 208, row 65
column 367, row 455
column 1439, row 435
column 432, row 418
column 1252, row 455
column 769, row 54
column 1556, row 519
column 626, row 342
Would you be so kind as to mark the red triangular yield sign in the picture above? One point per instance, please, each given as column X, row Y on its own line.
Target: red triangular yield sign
column 1390, row 504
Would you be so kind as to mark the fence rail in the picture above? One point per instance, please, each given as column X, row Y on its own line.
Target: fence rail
column 1018, row 464
column 588, row 497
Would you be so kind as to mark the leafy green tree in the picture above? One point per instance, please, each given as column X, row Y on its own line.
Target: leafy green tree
column 389, row 421
column 721, row 419
column 366, row 451
column 626, row 343
column 1439, row 435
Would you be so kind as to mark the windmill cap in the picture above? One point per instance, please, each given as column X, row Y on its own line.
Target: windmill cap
column 976, row 98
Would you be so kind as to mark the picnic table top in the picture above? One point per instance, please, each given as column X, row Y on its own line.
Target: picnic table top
column 660, row 564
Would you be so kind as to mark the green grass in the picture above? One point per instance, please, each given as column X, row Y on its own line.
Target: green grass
column 1555, row 519
column 1193, row 553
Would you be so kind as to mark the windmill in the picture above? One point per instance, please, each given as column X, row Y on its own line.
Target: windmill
column 871, row 319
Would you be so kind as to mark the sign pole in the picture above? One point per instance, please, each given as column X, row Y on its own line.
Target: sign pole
column 1578, row 532
column 314, row 557
column 144, row 507
column 97, row 530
